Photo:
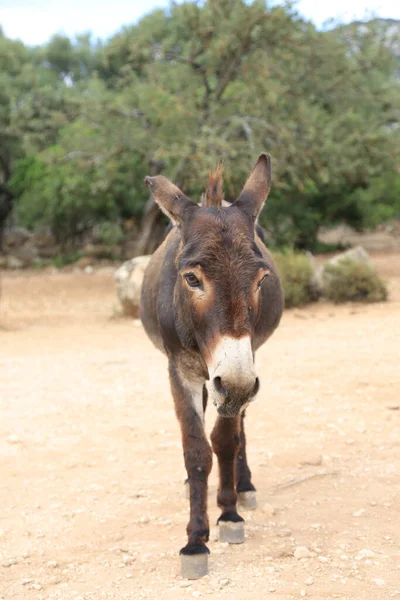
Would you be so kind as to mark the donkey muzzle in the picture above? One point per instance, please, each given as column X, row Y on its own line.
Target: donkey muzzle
column 233, row 383
column 232, row 400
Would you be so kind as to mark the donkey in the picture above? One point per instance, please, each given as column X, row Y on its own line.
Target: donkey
column 211, row 296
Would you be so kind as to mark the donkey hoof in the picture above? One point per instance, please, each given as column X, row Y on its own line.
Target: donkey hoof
column 194, row 566
column 247, row 500
column 231, row 532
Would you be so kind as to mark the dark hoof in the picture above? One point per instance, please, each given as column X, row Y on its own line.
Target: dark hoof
column 247, row 500
column 231, row 532
column 194, row 561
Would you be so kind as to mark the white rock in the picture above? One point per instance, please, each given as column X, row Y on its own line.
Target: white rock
column 52, row 564
column 356, row 255
column 26, row 581
column 128, row 559
column 129, row 278
column 323, row 559
column 359, row 513
column 367, row 553
column 36, row 586
column 379, row 581
column 309, row 580
column 303, row 593
column 268, row 509
column 9, row 562
column 301, row 552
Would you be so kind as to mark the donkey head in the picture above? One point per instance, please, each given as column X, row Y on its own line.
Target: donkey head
column 221, row 275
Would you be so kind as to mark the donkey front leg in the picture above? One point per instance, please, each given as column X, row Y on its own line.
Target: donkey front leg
column 225, row 442
column 244, row 487
column 198, row 462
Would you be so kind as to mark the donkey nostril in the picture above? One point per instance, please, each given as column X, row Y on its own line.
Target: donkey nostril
column 256, row 387
column 219, row 386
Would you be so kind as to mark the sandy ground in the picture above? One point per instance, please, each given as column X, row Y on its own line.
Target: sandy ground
column 91, row 470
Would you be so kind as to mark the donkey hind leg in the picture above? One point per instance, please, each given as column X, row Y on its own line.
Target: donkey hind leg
column 186, row 486
column 245, row 489
column 198, row 461
column 225, row 443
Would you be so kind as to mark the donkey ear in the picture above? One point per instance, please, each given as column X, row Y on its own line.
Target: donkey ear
column 256, row 188
column 170, row 198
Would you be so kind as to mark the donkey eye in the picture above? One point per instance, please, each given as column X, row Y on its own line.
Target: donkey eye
column 261, row 280
column 192, row 280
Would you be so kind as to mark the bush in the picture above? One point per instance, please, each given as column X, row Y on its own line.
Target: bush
column 297, row 277
column 348, row 281
column 109, row 234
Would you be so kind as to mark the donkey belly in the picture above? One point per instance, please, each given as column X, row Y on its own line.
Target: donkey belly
column 148, row 299
column 272, row 301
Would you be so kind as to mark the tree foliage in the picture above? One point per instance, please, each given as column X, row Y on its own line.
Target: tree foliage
column 81, row 123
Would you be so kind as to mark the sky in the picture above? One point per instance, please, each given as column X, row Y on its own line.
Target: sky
column 35, row 21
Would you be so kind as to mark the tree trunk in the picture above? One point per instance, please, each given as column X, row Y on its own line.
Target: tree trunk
column 6, row 202
column 152, row 230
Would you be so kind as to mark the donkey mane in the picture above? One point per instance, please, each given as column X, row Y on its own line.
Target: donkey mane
column 214, row 192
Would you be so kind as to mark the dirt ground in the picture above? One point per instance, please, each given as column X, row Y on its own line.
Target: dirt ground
column 91, row 471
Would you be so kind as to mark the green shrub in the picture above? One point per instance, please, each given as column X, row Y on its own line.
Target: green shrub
column 297, row 277
column 348, row 281
column 109, row 234
column 66, row 259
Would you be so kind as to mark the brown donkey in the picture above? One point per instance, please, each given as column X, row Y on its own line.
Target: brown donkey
column 211, row 296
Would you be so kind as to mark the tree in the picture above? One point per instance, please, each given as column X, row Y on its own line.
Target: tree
column 195, row 84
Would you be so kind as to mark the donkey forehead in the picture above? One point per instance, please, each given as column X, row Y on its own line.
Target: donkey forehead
column 219, row 241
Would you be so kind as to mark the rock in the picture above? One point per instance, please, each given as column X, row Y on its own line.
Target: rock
column 26, row 581
column 16, row 237
column 52, row 563
column 98, row 251
column 268, row 509
column 128, row 559
column 366, row 553
column 83, row 262
column 313, row 460
column 36, row 586
column 28, row 253
column 378, row 581
column 8, row 562
column 356, row 255
column 323, row 559
column 129, row 278
column 359, row 513
column 284, row 551
column 309, row 580
column 49, row 251
column 284, row 532
column 43, row 237
column 14, row 263
column 301, row 552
